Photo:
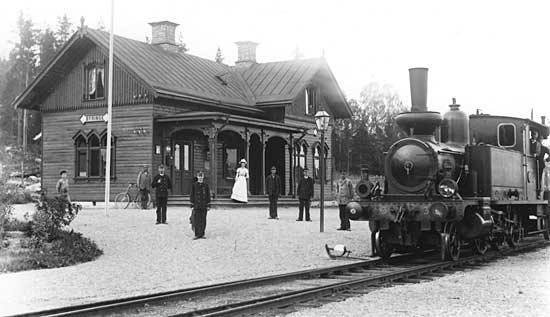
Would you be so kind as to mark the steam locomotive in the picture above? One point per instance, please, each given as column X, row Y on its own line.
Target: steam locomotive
column 455, row 181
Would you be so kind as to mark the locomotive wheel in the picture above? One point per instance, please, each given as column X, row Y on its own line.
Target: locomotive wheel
column 479, row 246
column 450, row 243
column 444, row 245
column 511, row 238
column 383, row 249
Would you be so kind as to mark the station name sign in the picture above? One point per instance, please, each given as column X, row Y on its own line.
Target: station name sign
column 85, row 118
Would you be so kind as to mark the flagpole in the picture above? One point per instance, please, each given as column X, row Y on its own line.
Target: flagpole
column 109, row 111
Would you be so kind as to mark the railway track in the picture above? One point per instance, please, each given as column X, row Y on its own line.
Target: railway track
column 284, row 293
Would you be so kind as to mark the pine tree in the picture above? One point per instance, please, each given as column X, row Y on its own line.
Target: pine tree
column 23, row 61
column 219, row 56
column 63, row 32
column 47, row 47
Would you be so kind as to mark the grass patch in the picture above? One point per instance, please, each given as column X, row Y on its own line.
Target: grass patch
column 68, row 248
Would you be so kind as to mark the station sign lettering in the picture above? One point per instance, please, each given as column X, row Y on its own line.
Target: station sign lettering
column 85, row 118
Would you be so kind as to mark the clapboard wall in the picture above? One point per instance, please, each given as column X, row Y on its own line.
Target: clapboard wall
column 132, row 129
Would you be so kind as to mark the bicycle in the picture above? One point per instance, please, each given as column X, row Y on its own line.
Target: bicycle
column 132, row 195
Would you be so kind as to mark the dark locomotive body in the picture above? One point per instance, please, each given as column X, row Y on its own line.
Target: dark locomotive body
column 455, row 180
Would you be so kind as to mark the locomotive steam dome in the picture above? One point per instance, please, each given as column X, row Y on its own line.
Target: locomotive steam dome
column 455, row 129
column 410, row 163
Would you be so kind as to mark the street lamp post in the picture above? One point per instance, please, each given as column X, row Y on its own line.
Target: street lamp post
column 322, row 119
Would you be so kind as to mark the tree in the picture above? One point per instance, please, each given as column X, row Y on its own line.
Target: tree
column 371, row 131
column 23, row 60
column 219, row 56
column 182, row 47
column 63, row 32
column 47, row 47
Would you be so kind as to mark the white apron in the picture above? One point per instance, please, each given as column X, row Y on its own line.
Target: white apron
column 240, row 190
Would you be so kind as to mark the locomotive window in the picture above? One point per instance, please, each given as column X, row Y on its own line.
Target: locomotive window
column 506, row 135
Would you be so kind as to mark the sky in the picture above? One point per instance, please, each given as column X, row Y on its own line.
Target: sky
column 489, row 55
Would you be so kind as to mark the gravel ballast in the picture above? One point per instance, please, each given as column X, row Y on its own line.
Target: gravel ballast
column 141, row 257
column 514, row 286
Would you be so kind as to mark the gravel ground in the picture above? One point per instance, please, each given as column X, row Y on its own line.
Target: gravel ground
column 140, row 257
column 514, row 286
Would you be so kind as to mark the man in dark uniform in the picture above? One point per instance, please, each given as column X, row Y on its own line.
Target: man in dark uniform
column 305, row 193
column 273, row 189
column 162, row 184
column 200, row 203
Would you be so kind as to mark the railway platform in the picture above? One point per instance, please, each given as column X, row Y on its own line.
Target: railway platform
column 142, row 258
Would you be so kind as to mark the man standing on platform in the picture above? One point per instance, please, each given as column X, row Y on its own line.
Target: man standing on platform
column 162, row 184
column 144, row 185
column 344, row 193
column 305, row 193
column 273, row 189
column 200, row 203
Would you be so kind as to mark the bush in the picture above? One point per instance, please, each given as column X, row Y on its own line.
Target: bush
column 5, row 209
column 51, row 216
column 68, row 248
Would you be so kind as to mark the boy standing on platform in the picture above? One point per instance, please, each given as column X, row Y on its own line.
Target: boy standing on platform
column 305, row 193
column 162, row 184
column 200, row 203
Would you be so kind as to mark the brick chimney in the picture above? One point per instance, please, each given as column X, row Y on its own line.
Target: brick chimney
column 247, row 53
column 164, row 35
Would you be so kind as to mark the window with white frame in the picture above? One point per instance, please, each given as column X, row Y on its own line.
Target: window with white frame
column 91, row 155
column 317, row 161
column 94, row 82
column 311, row 101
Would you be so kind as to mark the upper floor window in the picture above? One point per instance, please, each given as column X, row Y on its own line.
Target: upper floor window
column 506, row 135
column 95, row 82
column 311, row 101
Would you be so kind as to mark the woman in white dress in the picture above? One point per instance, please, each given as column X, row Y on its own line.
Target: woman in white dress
column 240, row 188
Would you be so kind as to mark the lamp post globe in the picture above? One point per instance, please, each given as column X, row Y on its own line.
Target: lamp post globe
column 322, row 119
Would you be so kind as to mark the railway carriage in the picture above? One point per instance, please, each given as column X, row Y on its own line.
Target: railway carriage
column 455, row 180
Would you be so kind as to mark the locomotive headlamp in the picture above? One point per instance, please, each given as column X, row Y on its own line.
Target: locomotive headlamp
column 447, row 187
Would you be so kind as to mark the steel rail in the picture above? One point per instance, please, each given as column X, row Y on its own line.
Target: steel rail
column 122, row 303
column 292, row 297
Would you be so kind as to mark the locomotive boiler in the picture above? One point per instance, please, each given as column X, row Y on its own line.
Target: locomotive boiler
column 455, row 180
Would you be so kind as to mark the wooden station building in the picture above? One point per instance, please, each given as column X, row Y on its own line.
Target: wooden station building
column 187, row 112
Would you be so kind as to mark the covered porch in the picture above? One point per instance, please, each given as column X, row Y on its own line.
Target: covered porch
column 215, row 142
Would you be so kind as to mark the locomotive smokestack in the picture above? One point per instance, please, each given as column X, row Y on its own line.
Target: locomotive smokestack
column 543, row 120
column 418, row 78
column 419, row 121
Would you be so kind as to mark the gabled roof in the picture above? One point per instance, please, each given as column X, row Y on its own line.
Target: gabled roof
column 184, row 76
